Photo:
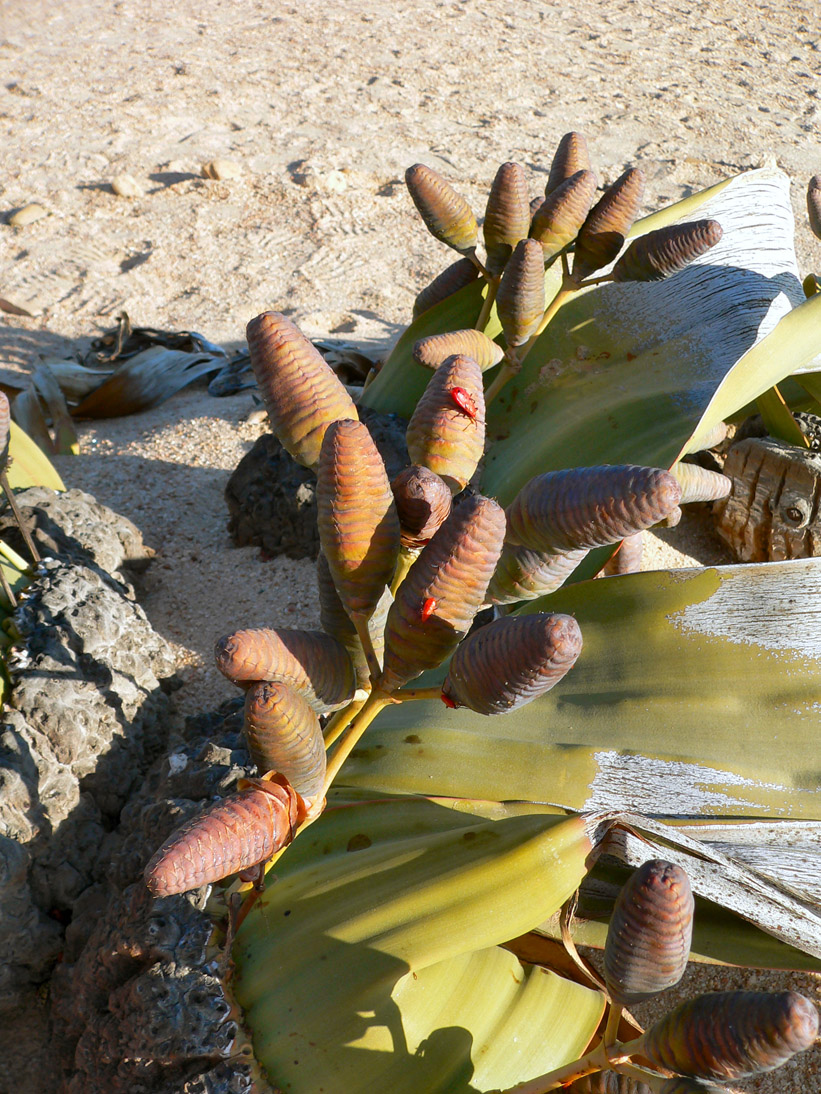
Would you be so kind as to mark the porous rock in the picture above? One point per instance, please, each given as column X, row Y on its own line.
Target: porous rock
column 139, row 1001
column 272, row 499
column 86, row 715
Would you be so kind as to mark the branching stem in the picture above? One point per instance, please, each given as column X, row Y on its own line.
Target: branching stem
column 417, row 693
column 18, row 516
column 487, row 305
column 376, row 702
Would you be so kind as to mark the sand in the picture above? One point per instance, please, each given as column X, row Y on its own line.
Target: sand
column 322, row 107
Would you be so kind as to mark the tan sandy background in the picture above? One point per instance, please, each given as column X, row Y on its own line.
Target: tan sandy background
column 323, row 106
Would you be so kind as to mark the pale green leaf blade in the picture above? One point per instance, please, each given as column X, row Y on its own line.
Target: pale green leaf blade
column 354, row 910
column 400, row 382
column 697, row 693
column 625, row 372
column 28, row 464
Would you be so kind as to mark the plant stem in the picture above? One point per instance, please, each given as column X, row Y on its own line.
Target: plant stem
column 11, row 556
column 406, row 559
column 564, row 293
column 7, row 589
column 341, row 720
column 360, row 621
column 375, row 703
column 509, row 369
column 649, row 1078
column 490, row 297
column 417, row 693
column 611, row 1030
column 477, row 262
column 7, row 490
column 595, row 281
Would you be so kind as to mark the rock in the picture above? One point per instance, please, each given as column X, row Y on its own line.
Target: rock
column 139, row 1001
column 89, row 713
column 27, row 215
column 221, row 169
column 75, row 525
column 126, row 186
column 272, row 499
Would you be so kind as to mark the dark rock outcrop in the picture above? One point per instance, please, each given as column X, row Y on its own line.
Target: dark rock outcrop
column 272, row 499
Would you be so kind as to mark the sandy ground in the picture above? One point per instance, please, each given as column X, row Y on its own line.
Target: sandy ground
column 323, row 106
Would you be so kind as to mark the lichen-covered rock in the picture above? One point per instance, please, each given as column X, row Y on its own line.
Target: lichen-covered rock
column 272, row 499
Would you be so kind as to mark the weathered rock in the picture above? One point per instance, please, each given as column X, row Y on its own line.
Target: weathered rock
column 75, row 525
column 88, row 715
column 139, row 1002
column 272, row 499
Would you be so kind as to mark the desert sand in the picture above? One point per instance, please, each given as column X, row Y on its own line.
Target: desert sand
column 321, row 107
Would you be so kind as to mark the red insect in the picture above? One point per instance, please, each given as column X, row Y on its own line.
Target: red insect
column 464, row 400
column 428, row 608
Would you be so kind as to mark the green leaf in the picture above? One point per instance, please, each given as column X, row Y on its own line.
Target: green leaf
column 401, row 381
column 28, row 464
column 342, row 963
column 627, row 373
column 696, row 693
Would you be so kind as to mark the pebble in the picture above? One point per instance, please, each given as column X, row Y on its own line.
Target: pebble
column 27, row 215
column 126, row 186
column 221, row 169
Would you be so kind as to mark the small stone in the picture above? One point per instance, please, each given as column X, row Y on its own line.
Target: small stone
column 27, row 215
column 221, row 169
column 336, row 182
column 126, row 186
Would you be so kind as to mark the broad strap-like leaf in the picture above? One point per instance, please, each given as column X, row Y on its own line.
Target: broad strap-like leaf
column 696, row 694
column 357, row 970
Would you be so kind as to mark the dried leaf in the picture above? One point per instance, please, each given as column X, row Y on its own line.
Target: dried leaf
column 65, row 440
column 145, row 380
column 814, row 205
